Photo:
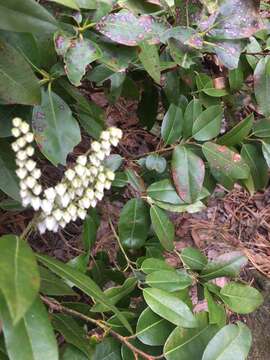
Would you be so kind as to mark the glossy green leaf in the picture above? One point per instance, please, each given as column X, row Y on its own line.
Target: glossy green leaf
column 192, row 112
column 193, row 258
column 81, row 281
column 169, row 307
column 81, row 53
column 115, row 294
column 262, row 85
column 215, row 92
column 172, row 124
column 135, row 180
column 53, row 285
column 225, row 265
column 9, row 182
column 229, row 52
column 208, row 123
column 242, row 299
column 190, row 208
column 236, row 78
column 25, row 16
column 72, row 353
column 231, row 342
column 238, row 133
column 90, row 228
column 217, row 312
column 149, row 58
column 73, row 333
column 261, row 128
column 72, row 4
column 156, row 163
column 168, row 280
column 253, row 157
column 266, row 152
column 224, row 161
column 187, row 344
column 188, row 172
column 163, row 227
column 19, row 276
column 109, row 348
column 18, row 83
column 152, row 329
column 32, row 338
column 164, row 191
column 151, row 264
column 56, row 131
column 148, row 106
column 134, row 224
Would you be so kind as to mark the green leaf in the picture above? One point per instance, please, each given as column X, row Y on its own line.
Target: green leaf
column 108, row 349
column 231, row 342
column 193, row 258
column 56, row 131
column 225, row 265
column 152, row 264
column 25, row 16
column 134, row 224
column 152, row 329
column 164, row 191
column 81, row 53
column 262, row 85
column 148, row 105
column 90, row 228
column 53, row 285
column 135, row 180
column 19, row 276
column 242, row 299
column 32, row 338
column 149, row 58
column 156, row 163
column 266, row 152
column 115, row 294
column 169, row 307
column 261, row 128
column 168, row 280
column 8, row 179
column 190, row 208
column 217, row 313
column 253, row 157
column 208, row 123
column 87, row 4
column 188, row 172
column 18, row 83
column 229, row 52
column 81, row 281
column 189, row 344
column 73, row 353
column 163, row 227
column 236, row 78
column 127, row 29
column 193, row 110
column 224, row 161
column 215, row 92
column 72, row 4
column 238, row 133
column 172, row 124
column 73, row 333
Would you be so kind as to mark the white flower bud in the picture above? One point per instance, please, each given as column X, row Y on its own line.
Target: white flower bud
column 79, row 191
column 50, row 194
column 71, row 193
column 99, row 186
column 42, row 227
column 21, row 155
column 90, row 194
column 24, row 127
column 19, row 163
column 15, row 147
column 95, row 146
column 36, row 203
column 66, row 216
column 37, row 189
column 64, row 200
column 62, row 223
column 15, row 132
column 23, row 185
column 30, row 165
column 116, row 132
column 29, row 137
column 72, row 210
column 100, row 155
column 94, row 160
column 84, row 203
column 81, row 214
column 105, row 145
column 93, row 203
column 50, row 222
column 16, row 122
column 82, row 160
column 76, row 183
column 30, row 182
column 107, row 152
column 114, row 141
column 99, row 195
column 24, row 193
column 105, row 135
column 58, row 214
column 21, row 173
column 46, row 206
column 93, row 170
column 36, row 173
column 30, row 151
column 61, row 189
column 102, row 177
column 85, row 182
column 55, row 228
column 26, row 201
column 107, row 185
column 21, row 142
column 80, row 170
column 70, row 174
column 110, row 175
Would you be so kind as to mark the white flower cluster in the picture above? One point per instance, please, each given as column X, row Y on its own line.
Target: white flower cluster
column 81, row 187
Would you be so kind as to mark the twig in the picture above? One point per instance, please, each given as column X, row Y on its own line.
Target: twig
column 56, row 306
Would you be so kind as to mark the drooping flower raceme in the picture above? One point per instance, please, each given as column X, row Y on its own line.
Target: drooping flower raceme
column 81, row 187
